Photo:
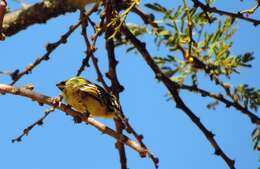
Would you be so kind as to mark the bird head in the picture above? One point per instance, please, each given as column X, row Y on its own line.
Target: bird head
column 74, row 81
column 61, row 85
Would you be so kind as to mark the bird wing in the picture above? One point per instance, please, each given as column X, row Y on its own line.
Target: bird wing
column 114, row 102
column 98, row 93
column 90, row 90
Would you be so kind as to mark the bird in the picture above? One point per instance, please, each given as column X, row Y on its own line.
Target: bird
column 90, row 98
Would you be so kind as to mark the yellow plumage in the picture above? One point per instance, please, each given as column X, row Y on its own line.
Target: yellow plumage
column 87, row 97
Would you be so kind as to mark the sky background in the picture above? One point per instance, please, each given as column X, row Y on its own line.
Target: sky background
column 168, row 132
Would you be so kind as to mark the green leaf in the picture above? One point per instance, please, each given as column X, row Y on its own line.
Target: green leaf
column 156, row 7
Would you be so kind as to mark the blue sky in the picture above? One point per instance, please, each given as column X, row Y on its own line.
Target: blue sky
column 60, row 143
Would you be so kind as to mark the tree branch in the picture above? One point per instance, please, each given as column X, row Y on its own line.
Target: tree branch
column 16, row 75
column 219, row 97
column 43, row 99
column 173, row 89
column 3, row 6
column 239, row 15
column 39, row 122
column 90, row 49
column 38, row 13
column 116, row 87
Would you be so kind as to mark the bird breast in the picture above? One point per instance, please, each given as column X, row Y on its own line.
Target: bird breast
column 87, row 104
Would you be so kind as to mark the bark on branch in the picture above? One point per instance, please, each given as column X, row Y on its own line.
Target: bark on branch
column 42, row 99
column 38, row 13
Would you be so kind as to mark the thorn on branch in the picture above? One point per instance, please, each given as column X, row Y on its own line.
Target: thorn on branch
column 217, row 152
column 50, row 46
column 211, row 134
column 28, row 86
column 140, row 137
column 228, row 105
column 40, row 123
column 203, row 95
column 117, row 145
column 14, row 74
column 143, row 44
column 41, row 104
column 64, row 39
column 77, row 119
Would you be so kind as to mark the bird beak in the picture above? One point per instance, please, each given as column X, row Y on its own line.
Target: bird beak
column 61, row 85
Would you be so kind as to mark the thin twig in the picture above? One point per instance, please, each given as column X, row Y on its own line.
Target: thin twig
column 207, row 8
column 90, row 54
column 255, row 119
column 207, row 68
column 116, row 87
column 148, row 19
column 90, row 47
column 39, row 122
column 16, row 75
column 235, row 102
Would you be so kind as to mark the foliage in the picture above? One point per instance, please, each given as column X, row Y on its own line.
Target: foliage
column 195, row 45
column 249, row 96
